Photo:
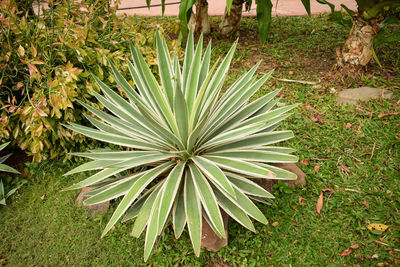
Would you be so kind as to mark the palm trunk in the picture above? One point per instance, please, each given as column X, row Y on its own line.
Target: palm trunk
column 357, row 49
column 199, row 20
column 202, row 23
column 231, row 21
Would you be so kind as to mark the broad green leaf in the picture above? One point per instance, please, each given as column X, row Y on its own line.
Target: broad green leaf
column 2, row 146
column 181, row 115
column 254, row 155
column 152, row 228
column 280, row 173
column 205, row 65
column 165, row 68
column 306, row 4
column 248, row 187
column 178, row 214
column 208, row 200
column 90, row 166
column 169, row 192
column 144, row 214
column 193, row 213
column 193, row 75
column 187, row 62
column 95, row 178
column 135, row 209
column 6, row 168
column 234, row 211
column 264, row 18
column 111, row 138
column 214, row 173
column 133, row 193
column 256, row 141
column 4, row 158
column 242, row 167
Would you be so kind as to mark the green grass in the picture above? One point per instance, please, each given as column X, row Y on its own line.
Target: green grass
column 54, row 231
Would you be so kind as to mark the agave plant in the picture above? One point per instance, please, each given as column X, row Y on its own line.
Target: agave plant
column 200, row 151
column 5, row 168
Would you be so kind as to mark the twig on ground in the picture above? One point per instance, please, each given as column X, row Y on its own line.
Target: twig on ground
column 352, row 190
column 379, row 242
column 294, row 81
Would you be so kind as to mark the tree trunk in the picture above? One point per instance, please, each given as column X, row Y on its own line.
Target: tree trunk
column 199, row 20
column 202, row 23
column 357, row 49
column 231, row 22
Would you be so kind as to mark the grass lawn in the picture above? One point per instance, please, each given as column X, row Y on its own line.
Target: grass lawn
column 353, row 151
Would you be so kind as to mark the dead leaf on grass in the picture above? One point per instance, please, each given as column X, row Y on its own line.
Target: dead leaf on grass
column 304, row 162
column 301, row 201
column 275, row 224
column 365, row 203
column 380, row 116
column 42, row 197
column 320, row 203
column 2, row 261
column 377, row 226
column 316, row 168
column 328, row 190
column 347, row 251
column 347, row 125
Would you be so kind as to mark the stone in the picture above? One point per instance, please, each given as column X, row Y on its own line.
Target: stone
column 91, row 210
column 292, row 167
column 353, row 95
column 209, row 239
column 266, row 184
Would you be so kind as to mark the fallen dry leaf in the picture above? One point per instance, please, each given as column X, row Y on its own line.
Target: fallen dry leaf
column 301, row 201
column 275, row 224
column 347, row 125
column 316, row 168
column 377, row 226
column 328, row 190
column 380, row 116
column 365, row 203
column 320, row 203
column 42, row 197
column 347, row 251
column 304, row 162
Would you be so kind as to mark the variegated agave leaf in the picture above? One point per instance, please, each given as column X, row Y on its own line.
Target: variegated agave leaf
column 199, row 149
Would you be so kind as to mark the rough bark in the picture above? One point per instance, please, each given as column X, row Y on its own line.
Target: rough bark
column 357, row 49
column 231, row 21
column 199, row 18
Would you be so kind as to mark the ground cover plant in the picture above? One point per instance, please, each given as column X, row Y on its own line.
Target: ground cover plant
column 199, row 151
column 350, row 152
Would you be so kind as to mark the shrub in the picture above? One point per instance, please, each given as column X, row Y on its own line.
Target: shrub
column 45, row 63
column 198, row 151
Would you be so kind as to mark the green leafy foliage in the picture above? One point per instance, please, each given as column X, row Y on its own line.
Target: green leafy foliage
column 200, row 150
column 45, row 66
column 5, row 168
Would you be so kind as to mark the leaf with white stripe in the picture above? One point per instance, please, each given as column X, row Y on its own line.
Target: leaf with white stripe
column 242, row 167
column 193, row 213
column 214, row 173
column 133, row 193
column 208, row 200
